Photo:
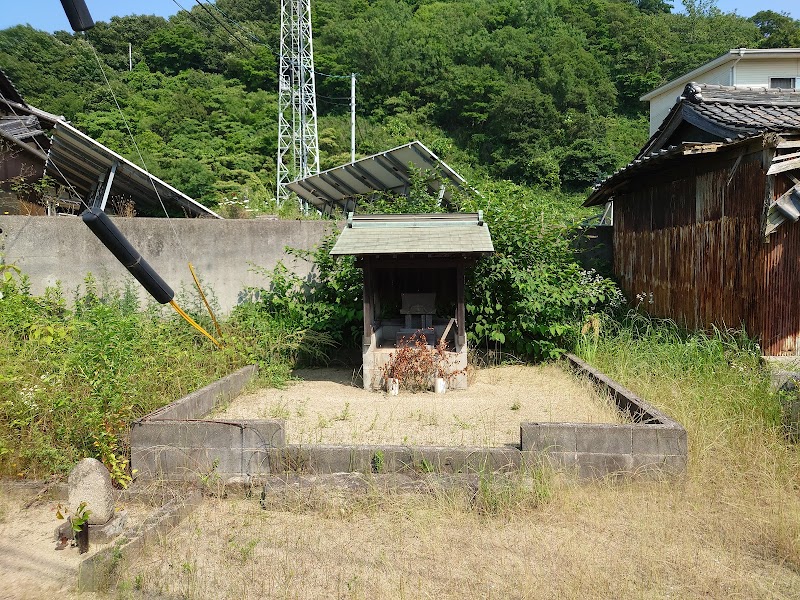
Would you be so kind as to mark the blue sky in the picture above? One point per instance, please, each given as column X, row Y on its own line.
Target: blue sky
column 747, row 8
column 49, row 16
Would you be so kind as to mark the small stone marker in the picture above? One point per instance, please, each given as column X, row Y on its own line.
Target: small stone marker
column 90, row 482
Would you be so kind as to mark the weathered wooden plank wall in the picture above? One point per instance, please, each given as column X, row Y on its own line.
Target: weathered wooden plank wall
column 690, row 239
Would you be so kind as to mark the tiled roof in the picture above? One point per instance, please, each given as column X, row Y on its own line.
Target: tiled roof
column 652, row 161
column 720, row 116
column 728, row 113
column 23, row 127
column 753, row 109
column 436, row 234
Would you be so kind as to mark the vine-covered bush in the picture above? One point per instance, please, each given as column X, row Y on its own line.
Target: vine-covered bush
column 329, row 303
column 531, row 297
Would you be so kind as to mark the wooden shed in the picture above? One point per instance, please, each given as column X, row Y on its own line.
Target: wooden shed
column 414, row 269
column 705, row 217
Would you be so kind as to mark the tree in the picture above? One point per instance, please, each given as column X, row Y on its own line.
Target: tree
column 779, row 30
column 175, row 49
column 653, row 6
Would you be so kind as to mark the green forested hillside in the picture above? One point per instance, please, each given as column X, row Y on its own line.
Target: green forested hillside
column 543, row 92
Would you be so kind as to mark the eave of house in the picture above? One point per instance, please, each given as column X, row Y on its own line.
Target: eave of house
column 654, row 161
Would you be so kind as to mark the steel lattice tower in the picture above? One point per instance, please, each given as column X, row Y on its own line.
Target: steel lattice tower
column 298, row 146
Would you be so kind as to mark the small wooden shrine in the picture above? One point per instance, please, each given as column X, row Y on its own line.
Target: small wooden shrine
column 414, row 269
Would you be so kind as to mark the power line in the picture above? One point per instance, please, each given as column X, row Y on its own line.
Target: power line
column 334, row 76
column 138, row 151
column 221, row 24
column 334, row 97
column 253, row 36
column 210, row 29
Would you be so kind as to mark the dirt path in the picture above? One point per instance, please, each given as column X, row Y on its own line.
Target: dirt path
column 30, row 566
column 327, row 406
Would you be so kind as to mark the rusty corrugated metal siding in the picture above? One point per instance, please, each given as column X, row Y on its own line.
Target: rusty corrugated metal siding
column 692, row 238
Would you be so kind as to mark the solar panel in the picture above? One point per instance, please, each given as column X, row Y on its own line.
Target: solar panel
column 385, row 171
column 82, row 160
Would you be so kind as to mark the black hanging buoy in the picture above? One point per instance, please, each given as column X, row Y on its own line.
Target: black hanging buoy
column 78, row 14
column 121, row 248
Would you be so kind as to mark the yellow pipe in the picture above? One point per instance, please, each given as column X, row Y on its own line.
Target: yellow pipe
column 193, row 323
column 203, row 296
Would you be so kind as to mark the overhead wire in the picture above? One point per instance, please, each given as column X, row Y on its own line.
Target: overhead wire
column 172, row 302
column 138, row 151
column 253, row 36
column 205, row 25
column 221, row 24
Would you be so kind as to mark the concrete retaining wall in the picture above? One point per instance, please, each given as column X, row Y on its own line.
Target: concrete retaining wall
column 51, row 249
column 175, row 443
column 653, row 442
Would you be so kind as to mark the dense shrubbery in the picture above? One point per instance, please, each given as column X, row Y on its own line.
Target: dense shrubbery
column 72, row 380
column 529, row 299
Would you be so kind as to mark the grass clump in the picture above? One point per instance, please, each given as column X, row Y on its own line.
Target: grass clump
column 73, row 379
column 742, row 470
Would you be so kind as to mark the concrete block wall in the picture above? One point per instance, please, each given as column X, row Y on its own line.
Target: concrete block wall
column 599, row 449
column 175, row 442
column 325, row 459
column 651, row 443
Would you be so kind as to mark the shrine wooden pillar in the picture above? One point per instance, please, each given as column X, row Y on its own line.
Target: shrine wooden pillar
column 368, row 302
column 461, row 309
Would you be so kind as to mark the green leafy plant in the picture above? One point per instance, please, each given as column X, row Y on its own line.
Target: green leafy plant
column 78, row 519
column 377, row 462
column 78, row 524
column 72, row 380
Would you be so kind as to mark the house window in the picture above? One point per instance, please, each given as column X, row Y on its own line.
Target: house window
column 784, row 83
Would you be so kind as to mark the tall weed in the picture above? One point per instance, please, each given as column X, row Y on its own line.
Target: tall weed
column 717, row 385
column 72, row 380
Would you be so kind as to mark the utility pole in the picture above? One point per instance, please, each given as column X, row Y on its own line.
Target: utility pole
column 130, row 57
column 298, row 144
column 352, row 117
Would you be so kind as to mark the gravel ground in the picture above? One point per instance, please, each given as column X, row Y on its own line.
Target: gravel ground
column 328, row 406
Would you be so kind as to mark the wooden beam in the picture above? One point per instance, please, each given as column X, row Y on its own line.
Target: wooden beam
column 789, row 165
column 783, row 157
column 367, row 306
column 383, row 262
column 461, row 309
column 447, row 330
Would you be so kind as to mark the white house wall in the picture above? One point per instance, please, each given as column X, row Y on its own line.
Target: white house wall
column 661, row 105
column 749, row 71
column 758, row 72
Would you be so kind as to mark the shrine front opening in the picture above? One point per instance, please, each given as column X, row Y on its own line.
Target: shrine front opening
column 414, row 276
